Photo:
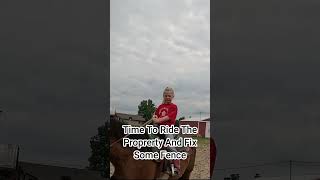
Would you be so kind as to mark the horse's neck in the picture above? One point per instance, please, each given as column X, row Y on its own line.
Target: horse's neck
column 126, row 166
column 118, row 150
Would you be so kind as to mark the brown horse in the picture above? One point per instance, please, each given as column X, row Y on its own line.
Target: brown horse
column 126, row 167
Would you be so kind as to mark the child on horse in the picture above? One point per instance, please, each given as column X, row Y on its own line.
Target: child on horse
column 166, row 115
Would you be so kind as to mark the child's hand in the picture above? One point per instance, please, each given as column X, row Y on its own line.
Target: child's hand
column 155, row 119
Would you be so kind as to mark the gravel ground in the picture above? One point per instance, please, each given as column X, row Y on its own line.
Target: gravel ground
column 202, row 165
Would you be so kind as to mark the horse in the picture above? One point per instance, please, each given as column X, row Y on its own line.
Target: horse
column 126, row 167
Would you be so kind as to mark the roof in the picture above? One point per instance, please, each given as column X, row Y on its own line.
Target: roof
column 208, row 119
column 127, row 116
column 197, row 119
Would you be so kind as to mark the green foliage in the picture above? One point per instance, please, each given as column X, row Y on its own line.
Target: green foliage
column 177, row 124
column 146, row 109
column 181, row 118
column 99, row 147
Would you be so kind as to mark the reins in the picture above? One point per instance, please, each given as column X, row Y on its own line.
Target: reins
column 146, row 123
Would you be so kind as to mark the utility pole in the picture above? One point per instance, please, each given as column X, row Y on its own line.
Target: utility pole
column 290, row 168
column 200, row 116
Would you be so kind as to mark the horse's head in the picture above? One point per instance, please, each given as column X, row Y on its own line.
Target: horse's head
column 116, row 132
column 121, row 157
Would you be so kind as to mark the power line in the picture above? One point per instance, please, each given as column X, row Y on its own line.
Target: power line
column 202, row 112
column 290, row 169
column 251, row 166
column 305, row 163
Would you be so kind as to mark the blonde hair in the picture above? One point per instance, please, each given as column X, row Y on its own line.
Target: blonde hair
column 166, row 90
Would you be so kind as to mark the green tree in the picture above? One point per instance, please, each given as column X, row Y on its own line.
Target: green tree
column 181, row 118
column 146, row 109
column 178, row 121
column 99, row 157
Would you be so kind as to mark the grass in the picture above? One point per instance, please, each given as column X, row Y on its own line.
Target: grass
column 202, row 141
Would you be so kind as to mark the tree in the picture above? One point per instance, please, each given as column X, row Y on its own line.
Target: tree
column 99, row 147
column 257, row 176
column 177, row 124
column 146, row 109
column 181, row 118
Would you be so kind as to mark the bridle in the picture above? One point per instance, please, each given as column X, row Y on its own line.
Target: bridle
column 146, row 123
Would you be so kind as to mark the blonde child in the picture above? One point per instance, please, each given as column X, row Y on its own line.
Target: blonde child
column 166, row 114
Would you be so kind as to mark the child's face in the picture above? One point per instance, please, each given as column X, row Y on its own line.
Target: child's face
column 168, row 96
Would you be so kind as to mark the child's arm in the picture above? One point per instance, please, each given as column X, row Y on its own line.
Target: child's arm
column 171, row 116
column 163, row 119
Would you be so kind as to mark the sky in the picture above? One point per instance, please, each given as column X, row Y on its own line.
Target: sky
column 53, row 73
column 267, row 95
column 159, row 43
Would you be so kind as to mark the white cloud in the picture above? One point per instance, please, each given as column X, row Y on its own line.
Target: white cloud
column 160, row 43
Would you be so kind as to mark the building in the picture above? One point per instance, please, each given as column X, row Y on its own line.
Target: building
column 33, row 171
column 203, row 125
column 13, row 169
column 134, row 120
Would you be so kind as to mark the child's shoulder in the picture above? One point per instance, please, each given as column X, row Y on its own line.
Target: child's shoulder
column 171, row 104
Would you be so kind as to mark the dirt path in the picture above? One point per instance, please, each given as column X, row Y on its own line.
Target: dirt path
column 202, row 166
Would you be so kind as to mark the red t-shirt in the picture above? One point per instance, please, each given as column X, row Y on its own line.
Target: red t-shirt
column 169, row 110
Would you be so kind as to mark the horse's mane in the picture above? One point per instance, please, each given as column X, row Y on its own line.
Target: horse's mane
column 116, row 132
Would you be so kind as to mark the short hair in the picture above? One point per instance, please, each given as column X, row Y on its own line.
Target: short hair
column 168, row 89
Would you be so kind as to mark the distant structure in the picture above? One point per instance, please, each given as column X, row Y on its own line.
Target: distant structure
column 12, row 169
column 9, row 154
column 233, row 177
column 134, row 120
column 305, row 177
column 34, row 171
column 203, row 125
